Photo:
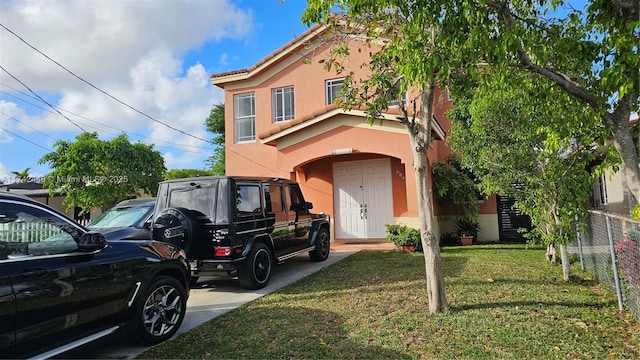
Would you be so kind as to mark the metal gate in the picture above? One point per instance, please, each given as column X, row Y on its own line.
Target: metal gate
column 510, row 219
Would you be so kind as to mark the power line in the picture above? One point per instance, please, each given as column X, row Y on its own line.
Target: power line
column 102, row 91
column 105, row 125
column 27, row 140
column 30, row 127
column 41, row 99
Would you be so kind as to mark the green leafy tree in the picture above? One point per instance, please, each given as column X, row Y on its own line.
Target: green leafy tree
column 22, row 176
column 591, row 53
column 215, row 125
column 187, row 173
column 457, row 187
column 533, row 142
column 400, row 44
column 96, row 173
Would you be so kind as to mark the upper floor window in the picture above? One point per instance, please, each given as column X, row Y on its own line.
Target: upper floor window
column 333, row 90
column 244, row 117
column 282, row 103
column 599, row 192
column 395, row 96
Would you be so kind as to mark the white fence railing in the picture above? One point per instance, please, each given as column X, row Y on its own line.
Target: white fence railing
column 27, row 231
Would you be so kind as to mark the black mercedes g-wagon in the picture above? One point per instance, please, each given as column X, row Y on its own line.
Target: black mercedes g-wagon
column 241, row 226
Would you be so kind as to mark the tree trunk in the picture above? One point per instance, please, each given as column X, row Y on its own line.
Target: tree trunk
column 420, row 136
column 618, row 123
column 566, row 267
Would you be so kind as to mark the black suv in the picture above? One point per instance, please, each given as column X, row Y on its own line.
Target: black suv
column 239, row 225
column 62, row 285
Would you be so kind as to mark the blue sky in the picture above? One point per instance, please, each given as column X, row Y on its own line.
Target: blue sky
column 153, row 55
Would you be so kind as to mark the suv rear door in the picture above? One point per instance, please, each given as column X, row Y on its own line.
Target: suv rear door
column 282, row 233
column 298, row 215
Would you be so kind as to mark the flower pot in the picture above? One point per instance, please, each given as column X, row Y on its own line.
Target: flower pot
column 408, row 248
column 466, row 240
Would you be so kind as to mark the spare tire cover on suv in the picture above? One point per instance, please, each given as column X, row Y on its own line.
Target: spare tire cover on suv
column 176, row 226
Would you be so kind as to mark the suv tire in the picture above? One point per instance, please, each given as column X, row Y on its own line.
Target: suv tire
column 256, row 270
column 161, row 310
column 323, row 246
column 177, row 226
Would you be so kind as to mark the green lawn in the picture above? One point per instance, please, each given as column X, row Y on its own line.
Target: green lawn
column 506, row 302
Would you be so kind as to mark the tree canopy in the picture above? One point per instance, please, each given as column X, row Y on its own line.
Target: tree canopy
column 187, row 173
column 535, row 143
column 590, row 53
column 215, row 125
column 98, row 173
column 22, row 176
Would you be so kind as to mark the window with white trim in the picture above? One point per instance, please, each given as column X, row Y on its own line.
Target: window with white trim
column 599, row 194
column 332, row 90
column 395, row 96
column 244, row 117
column 282, row 104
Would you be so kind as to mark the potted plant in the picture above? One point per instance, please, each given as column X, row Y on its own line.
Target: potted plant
column 403, row 237
column 456, row 189
column 467, row 229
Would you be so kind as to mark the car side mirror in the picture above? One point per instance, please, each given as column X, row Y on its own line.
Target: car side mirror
column 92, row 241
column 308, row 205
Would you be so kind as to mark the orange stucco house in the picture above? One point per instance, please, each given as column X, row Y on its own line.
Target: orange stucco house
column 281, row 121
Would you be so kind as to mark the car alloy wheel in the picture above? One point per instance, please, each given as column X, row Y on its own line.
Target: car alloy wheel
column 162, row 311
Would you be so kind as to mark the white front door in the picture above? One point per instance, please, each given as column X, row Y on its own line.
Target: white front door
column 363, row 198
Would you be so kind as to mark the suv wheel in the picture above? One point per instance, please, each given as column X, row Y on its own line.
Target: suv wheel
column 323, row 246
column 161, row 310
column 256, row 270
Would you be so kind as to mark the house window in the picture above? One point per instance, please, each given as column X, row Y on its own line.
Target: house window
column 599, row 196
column 244, row 115
column 395, row 96
column 333, row 90
column 282, row 104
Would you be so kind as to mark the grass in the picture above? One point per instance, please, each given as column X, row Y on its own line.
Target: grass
column 505, row 302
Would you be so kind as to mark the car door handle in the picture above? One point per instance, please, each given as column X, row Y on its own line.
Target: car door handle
column 35, row 273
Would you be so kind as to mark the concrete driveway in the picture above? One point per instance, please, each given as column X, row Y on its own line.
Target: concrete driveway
column 213, row 297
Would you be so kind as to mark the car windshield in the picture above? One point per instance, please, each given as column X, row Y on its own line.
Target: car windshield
column 120, row 217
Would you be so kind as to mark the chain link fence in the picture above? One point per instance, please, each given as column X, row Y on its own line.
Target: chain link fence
column 609, row 248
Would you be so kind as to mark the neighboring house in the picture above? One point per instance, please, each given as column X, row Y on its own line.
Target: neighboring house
column 281, row 121
column 36, row 191
column 610, row 190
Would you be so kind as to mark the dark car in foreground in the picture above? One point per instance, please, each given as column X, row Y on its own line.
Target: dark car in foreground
column 240, row 226
column 128, row 220
column 63, row 286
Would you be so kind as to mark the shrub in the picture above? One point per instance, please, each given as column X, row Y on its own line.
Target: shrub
column 401, row 235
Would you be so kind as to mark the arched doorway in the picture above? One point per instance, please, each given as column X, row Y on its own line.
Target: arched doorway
column 363, row 198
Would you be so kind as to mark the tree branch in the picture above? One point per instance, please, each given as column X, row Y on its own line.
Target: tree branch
column 561, row 79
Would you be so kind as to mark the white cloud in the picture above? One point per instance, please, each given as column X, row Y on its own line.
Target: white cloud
column 133, row 50
column 5, row 174
column 101, row 40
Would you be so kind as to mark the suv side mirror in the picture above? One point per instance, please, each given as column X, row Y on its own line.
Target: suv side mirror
column 92, row 241
column 308, row 205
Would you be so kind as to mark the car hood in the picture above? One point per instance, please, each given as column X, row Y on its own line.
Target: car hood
column 124, row 233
